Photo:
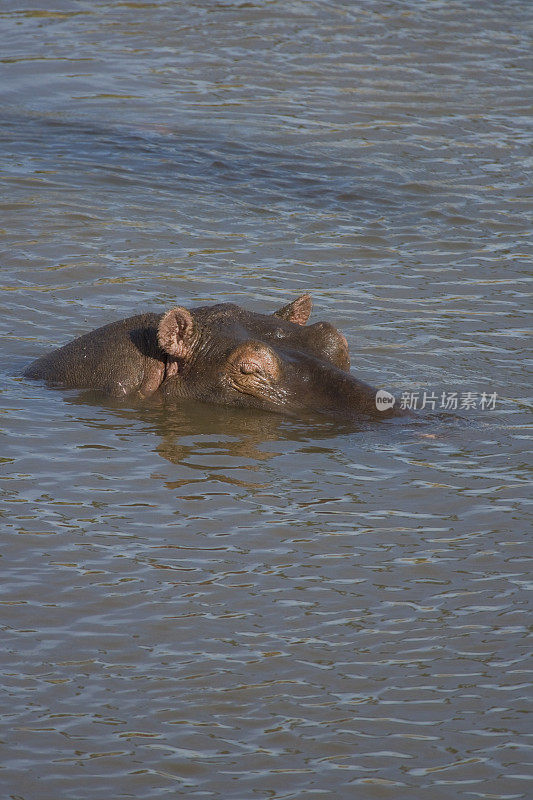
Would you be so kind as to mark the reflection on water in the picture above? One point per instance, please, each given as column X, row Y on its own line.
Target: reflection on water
column 204, row 602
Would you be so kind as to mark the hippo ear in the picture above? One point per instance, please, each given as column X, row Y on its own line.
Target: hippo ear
column 176, row 333
column 298, row 311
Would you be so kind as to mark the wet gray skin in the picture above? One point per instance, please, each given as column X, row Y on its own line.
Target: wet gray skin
column 218, row 354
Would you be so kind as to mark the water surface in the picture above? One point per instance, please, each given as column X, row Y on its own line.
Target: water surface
column 199, row 602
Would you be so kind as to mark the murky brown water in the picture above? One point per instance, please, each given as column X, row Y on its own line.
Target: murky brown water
column 221, row 605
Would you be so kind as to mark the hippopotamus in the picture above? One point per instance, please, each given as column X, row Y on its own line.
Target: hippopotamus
column 218, row 354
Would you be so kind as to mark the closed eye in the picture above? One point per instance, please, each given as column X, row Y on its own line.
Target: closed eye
column 251, row 368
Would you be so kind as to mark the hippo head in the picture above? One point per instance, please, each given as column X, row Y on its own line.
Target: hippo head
column 218, row 354
column 225, row 354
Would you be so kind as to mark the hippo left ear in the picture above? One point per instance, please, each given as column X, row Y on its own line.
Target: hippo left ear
column 298, row 311
column 176, row 333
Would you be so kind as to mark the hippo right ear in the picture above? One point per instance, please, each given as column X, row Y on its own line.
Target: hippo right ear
column 176, row 333
column 298, row 311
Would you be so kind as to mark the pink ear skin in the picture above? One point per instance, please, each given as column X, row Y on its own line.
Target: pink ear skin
column 298, row 311
column 176, row 332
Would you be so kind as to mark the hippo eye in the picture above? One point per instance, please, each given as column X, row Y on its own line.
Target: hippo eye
column 253, row 363
column 251, row 368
